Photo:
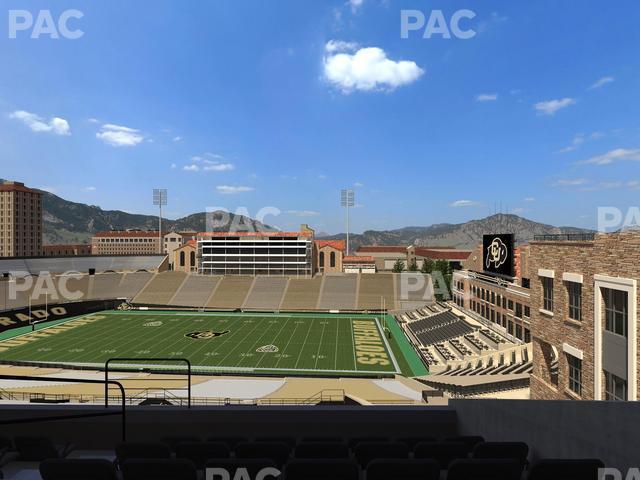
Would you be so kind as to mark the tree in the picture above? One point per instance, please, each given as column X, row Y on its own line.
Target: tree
column 398, row 267
column 413, row 266
column 427, row 266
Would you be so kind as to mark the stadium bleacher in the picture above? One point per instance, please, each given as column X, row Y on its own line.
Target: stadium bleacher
column 373, row 287
column 231, row 292
column 195, row 291
column 132, row 283
column 439, row 327
column 266, row 293
column 302, row 294
column 99, row 263
column 161, row 289
column 339, row 292
column 104, row 286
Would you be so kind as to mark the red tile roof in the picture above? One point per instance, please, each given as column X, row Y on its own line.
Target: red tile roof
column 438, row 254
column 255, row 234
column 358, row 259
column 16, row 187
column 114, row 233
column 382, row 249
column 337, row 244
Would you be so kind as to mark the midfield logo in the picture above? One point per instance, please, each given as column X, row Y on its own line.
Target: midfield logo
column 267, row 349
column 205, row 334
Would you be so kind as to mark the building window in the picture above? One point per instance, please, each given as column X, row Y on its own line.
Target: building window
column 321, row 260
column 332, row 259
column 518, row 310
column 575, row 300
column 182, row 258
column 193, row 258
column 615, row 311
column 547, row 293
column 615, row 387
column 575, row 374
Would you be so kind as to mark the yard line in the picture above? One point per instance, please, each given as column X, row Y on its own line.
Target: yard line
column 337, row 322
column 239, row 343
column 275, row 339
column 287, row 345
column 266, row 330
column 320, row 345
column 353, row 344
column 303, row 344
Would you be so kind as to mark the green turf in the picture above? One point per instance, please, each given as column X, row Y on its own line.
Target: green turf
column 316, row 344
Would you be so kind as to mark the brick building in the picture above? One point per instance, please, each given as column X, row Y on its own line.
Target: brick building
column 328, row 255
column 504, row 303
column 584, row 316
column 135, row 242
column 184, row 258
column 385, row 256
column 66, row 250
column 20, row 220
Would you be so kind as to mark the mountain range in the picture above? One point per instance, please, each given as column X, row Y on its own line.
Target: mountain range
column 72, row 222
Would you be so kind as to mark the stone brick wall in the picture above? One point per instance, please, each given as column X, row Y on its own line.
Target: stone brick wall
column 616, row 255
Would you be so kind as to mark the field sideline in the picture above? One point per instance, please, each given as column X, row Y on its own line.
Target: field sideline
column 231, row 343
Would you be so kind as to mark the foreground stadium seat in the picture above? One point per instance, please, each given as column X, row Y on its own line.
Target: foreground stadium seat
column 484, row 469
column 365, row 452
column 250, row 467
column 278, row 452
column 322, row 440
column 148, row 450
column 200, row 452
column 321, row 470
column 353, row 442
column 321, row 450
column 172, row 441
column 513, row 450
column 442, row 452
column 290, row 441
column 411, row 442
column 230, row 441
column 159, row 469
column 36, row 449
column 558, row 469
column 78, row 469
column 470, row 440
column 406, row 469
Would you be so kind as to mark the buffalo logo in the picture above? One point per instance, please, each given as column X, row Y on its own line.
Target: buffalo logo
column 267, row 349
column 153, row 324
column 496, row 253
column 205, row 334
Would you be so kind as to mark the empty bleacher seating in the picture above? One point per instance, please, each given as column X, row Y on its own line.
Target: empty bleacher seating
column 132, row 283
column 373, row 288
column 302, row 294
column 231, row 292
column 266, row 293
column 439, row 327
column 161, row 289
column 339, row 292
column 105, row 286
column 195, row 291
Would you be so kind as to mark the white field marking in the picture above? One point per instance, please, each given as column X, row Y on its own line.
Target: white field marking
column 320, row 346
column 335, row 361
column 304, row 343
column 389, row 351
column 353, row 344
column 61, row 322
column 288, row 343
column 252, row 351
column 257, row 324
column 275, row 339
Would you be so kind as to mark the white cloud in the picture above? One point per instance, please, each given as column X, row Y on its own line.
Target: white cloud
column 518, row 210
column 612, row 156
column 119, row 136
column 550, row 107
column 93, row 120
column 577, row 182
column 529, row 199
column 340, row 46
column 218, row 167
column 209, row 162
column 322, row 176
column 358, row 184
column 463, row 203
column 303, row 213
column 49, row 189
column 56, row 125
column 230, row 190
column 191, row 168
column 601, row 83
column 177, row 138
column 89, row 189
column 487, row 97
column 368, row 69
column 355, row 5
column 173, row 166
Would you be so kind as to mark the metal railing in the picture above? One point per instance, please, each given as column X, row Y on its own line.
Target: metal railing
column 51, row 418
column 150, row 359
column 566, row 237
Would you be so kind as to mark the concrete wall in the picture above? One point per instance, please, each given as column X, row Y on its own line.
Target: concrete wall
column 558, row 429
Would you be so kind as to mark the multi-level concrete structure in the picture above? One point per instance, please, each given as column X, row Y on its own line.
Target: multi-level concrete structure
column 134, row 242
column 502, row 302
column 584, row 299
column 385, row 256
column 256, row 253
column 20, row 220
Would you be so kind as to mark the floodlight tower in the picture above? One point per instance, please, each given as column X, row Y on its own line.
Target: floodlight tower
column 347, row 201
column 160, row 199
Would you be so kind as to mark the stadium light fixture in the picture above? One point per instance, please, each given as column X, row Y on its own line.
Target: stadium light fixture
column 347, row 197
column 160, row 199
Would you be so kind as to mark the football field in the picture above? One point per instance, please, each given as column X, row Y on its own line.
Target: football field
column 320, row 344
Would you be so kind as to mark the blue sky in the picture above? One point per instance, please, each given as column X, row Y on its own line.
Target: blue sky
column 283, row 103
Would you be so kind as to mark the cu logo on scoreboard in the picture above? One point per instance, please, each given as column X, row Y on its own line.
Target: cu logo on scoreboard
column 497, row 253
